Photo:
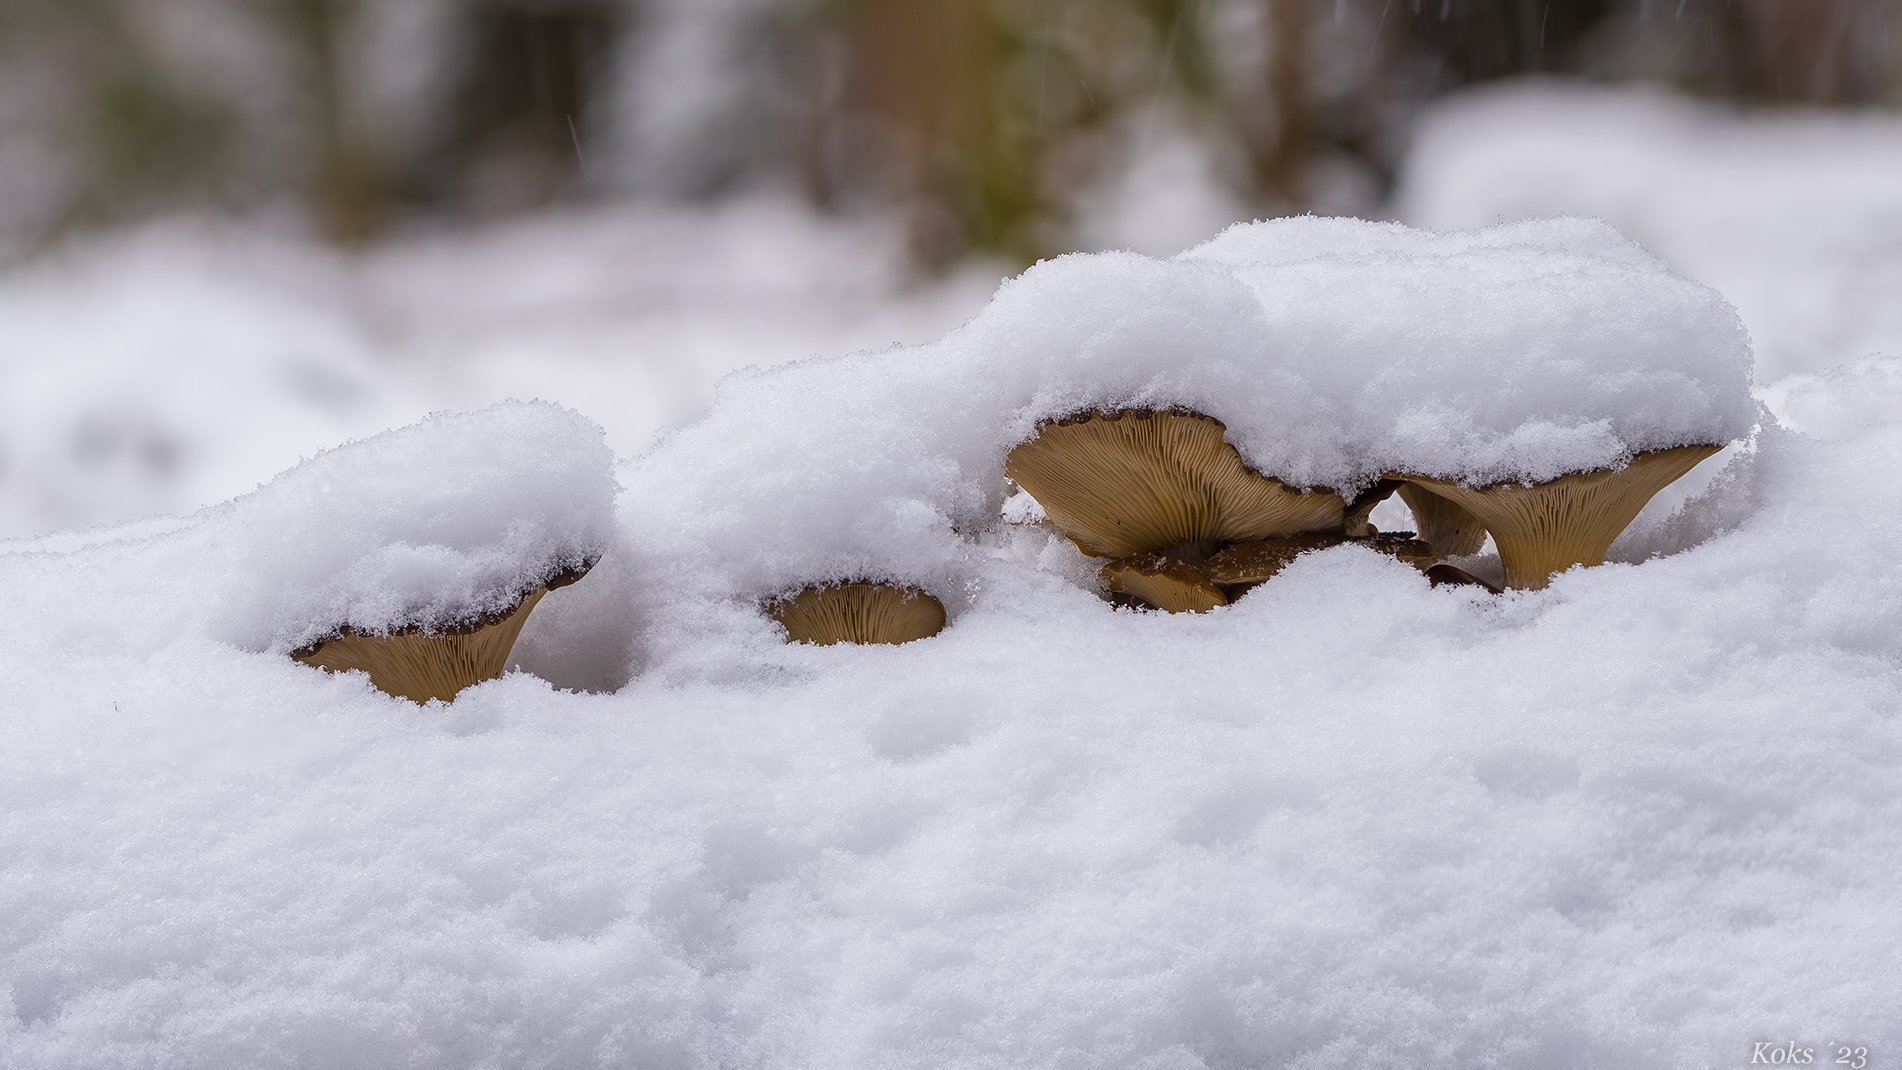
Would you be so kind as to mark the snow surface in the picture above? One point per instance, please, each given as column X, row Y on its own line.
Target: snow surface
column 1795, row 216
column 1642, row 818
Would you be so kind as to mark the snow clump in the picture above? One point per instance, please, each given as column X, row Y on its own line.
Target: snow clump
column 1333, row 349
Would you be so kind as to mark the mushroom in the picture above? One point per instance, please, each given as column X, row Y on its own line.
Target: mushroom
column 1253, row 562
column 1163, row 582
column 419, row 664
column 1355, row 524
column 1549, row 527
column 1442, row 523
column 858, row 613
column 1142, row 481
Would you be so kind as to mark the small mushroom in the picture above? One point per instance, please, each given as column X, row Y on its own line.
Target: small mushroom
column 858, row 613
column 1451, row 530
column 1572, row 520
column 419, row 664
column 1261, row 559
column 1163, row 582
column 1141, row 481
column 1253, row 562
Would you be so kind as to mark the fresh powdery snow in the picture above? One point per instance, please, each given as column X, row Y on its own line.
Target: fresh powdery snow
column 1649, row 816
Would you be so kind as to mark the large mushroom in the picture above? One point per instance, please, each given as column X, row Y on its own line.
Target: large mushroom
column 1159, row 490
column 1144, row 481
column 1443, row 524
column 422, row 664
column 858, row 613
column 1547, row 528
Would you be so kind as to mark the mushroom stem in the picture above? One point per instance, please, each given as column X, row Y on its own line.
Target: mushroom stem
column 1450, row 529
column 1572, row 520
column 1354, row 522
column 858, row 613
column 1162, row 582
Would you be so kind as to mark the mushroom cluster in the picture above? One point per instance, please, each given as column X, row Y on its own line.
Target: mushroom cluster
column 1188, row 526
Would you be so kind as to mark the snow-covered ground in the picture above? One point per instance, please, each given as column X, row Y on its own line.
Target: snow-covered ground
column 1647, row 817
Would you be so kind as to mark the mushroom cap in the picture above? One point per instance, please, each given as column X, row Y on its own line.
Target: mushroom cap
column 1572, row 520
column 1163, row 582
column 1137, row 481
column 421, row 665
column 1261, row 559
column 858, row 613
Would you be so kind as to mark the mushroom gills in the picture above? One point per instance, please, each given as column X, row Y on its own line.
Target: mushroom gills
column 1449, row 528
column 1547, row 528
column 858, row 613
column 419, row 665
column 422, row 664
column 1137, row 481
column 1162, row 582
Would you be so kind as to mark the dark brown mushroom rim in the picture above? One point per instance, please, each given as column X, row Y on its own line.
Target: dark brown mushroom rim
column 565, row 576
column 1238, row 568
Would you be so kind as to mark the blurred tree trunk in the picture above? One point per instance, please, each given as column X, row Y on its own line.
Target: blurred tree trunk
column 349, row 193
column 1811, row 51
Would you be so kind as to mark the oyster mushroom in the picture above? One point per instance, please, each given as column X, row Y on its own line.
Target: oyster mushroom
column 1450, row 529
column 1549, row 527
column 1163, row 582
column 422, row 664
column 1253, row 562
column 1143, row 481
column 858, row 613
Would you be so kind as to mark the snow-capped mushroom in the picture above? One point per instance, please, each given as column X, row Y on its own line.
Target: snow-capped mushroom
column 1442, row 523
column 1547, row 528
column 422, row 664
column 1140, row 481
column 1163, row 582
column 858, row 613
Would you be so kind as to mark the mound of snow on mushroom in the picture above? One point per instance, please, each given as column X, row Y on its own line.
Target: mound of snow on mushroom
column 431, row 527
column 1333, row 349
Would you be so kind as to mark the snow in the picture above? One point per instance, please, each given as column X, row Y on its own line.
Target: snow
column 1795, row 216
column 433, row 526
column 1645, row 817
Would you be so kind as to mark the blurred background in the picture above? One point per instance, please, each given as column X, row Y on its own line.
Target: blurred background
column 234, row 232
